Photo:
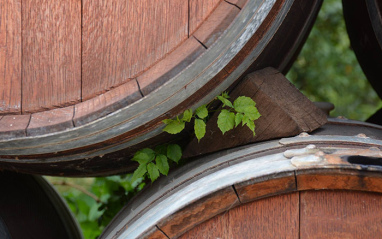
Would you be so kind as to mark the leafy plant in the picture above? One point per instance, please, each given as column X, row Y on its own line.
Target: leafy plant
column 96, row 204
column 152, row 163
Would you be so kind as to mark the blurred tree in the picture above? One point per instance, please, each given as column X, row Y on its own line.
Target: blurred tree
column 97, row 200
column 327, row 69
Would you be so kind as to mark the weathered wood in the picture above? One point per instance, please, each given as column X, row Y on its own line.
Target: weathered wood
column 51, row 121
column 340, row 214
column 239, row 3
column 216, row 24
column 123, row 38
column 339, row 179
column 10, row 56
column 170, row 66
column 256, row 172
column 155, row 233
column 13, row 126
column 107, row 103
column 199, row 10
column 284, row 112
column 273, row 217
column 301, row 16
column 198, row 212
column 266, row 186
column 51, row 55
column 105, row 145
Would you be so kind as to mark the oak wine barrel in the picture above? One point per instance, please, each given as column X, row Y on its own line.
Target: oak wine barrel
column 87, row 83
column 31, row 208
column 327, row 184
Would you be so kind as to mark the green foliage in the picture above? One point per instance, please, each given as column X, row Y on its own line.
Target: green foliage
column 200, row 128
column 327, row 69
column 243, row 110
column 162, row 164
column 148, row 167
column 225, row 101
column 112, row 193
column 174, row 126
column 174, row 152
column 226, row 120
column 202, row 112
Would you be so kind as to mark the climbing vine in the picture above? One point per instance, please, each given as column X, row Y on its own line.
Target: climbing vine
column 153, row 162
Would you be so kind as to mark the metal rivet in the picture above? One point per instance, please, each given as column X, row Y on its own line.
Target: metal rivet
column 362, row 135
column 304, row 134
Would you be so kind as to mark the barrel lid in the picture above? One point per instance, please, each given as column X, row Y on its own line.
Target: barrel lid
column 94, row 137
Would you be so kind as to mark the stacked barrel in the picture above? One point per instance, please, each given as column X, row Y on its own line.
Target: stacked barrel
column 85, row 84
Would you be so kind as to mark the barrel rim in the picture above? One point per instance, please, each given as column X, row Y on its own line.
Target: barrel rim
column 125, row 130
column 248, row 166
column 130, row 116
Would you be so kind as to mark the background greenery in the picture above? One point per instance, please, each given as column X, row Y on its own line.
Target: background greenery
column 326, row 70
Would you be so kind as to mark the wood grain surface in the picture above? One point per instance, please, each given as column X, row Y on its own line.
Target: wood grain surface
column 214, row 26
column 107, row 103
column 123, row 38
column 238, row 3
column 340, row 214
column 173, row 64
column 10, row 56
column 339, row 179
column 51, row 49
column 267, row 218
column 266, row 186
column 198, row 212
column 13, row 126
column 199, row 10
column 51, row 121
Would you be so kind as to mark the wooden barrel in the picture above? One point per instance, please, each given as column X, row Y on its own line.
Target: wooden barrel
column 324, row 185
column 364, row 26
column 31, row 208
column 85, row 85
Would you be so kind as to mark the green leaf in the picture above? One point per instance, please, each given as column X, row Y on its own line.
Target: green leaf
column 246, row 106
column 250, row 124
column 225, row 101
column 144, row 156
column 161, row 149
column 167, row 121
column 225, row 95
column 202, row 111
column 252, row 113
column 174, row 126
column 187, row 115
column 162, row 164
column 174, row 152
column 243, row 102
column 153, row 171
column 238, row 118
column 139, row 172
column 200, row 128
column 226, row 120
